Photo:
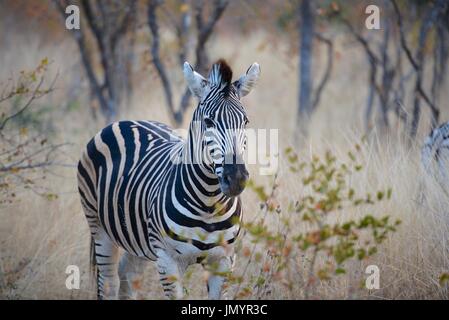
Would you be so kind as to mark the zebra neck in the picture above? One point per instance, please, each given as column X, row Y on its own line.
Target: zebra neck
column 200, row 186
column 200, row 182
column 194, row 152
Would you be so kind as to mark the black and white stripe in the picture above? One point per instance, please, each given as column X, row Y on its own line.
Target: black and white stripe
column 435, row 152
column 146, row 190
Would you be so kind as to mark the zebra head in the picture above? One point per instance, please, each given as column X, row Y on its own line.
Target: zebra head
column 222, row 121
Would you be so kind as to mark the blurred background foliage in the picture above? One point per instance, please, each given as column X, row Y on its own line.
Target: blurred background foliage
column 327, row 81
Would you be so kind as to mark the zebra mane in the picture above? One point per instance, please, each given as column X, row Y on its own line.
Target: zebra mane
column 221, row 75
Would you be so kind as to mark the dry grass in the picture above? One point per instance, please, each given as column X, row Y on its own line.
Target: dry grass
column 39, row 238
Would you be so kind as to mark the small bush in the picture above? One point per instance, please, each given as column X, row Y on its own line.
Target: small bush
column 281, row 252
column 25, row 153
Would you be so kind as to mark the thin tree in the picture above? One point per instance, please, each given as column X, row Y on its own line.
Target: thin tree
column 108, row 24
column 434, row 12
column 202, row 29
column 308, row 96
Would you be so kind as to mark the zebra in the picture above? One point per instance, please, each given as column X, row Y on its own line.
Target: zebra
column 155, row 196
column 435, row 154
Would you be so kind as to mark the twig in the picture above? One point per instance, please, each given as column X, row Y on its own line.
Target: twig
column 204, row 31
column 328, row 70
column 253, row 250
column 417, row 63
column 35, row 95
column 17, row 165
column 160, row 68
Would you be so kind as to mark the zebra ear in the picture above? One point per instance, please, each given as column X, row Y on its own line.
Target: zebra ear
column 196, row 82
column 246, row 82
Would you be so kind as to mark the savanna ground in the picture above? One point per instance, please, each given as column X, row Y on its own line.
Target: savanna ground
column 41, row 236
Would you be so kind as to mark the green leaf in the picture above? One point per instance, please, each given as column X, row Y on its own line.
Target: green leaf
column 51, row 196
column 361, row 254
column 340, row 271
column 389, row 192
column 444, row 278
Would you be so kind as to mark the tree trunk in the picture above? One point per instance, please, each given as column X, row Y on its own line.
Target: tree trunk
column 306, row 32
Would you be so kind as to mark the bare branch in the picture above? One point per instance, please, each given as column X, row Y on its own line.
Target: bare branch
column 204, row 31
column 328, row 69
column 155, row 43
column 373, row 61
column 402, row 36
column 37, row 93
column 18, row 164
column 80, row 37
column 108, row 23
column 418, row 62
column 122, row 26
column 205, row 28
column 182, row 29
column 372, row 56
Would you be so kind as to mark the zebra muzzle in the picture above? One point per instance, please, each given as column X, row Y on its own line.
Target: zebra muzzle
column 233, row 179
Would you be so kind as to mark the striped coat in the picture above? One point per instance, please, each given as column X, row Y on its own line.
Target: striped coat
column 148, row 191
column 435, row 154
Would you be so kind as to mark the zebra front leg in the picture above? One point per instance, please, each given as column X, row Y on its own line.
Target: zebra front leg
column 106, row 258
column 217, row 279
column 169, row 276
column 131, row 275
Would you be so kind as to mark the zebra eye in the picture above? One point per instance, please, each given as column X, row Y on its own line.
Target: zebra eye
column 209, row 123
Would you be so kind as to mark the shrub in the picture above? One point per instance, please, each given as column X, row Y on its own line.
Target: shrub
column 279, row 250
column 24, row 153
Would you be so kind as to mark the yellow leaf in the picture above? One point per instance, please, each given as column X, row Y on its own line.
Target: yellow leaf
column 184, row 8
column 51, row 196
column 23, row 131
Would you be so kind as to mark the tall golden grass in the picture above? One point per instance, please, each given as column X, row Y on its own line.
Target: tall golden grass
column 40, row 238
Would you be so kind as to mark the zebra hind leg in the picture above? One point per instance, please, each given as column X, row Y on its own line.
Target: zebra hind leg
column 169, row 276
column 106, row 260
column 217, row 281
column 131, row 270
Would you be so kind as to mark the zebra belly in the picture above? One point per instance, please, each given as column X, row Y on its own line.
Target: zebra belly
column 130, row 236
